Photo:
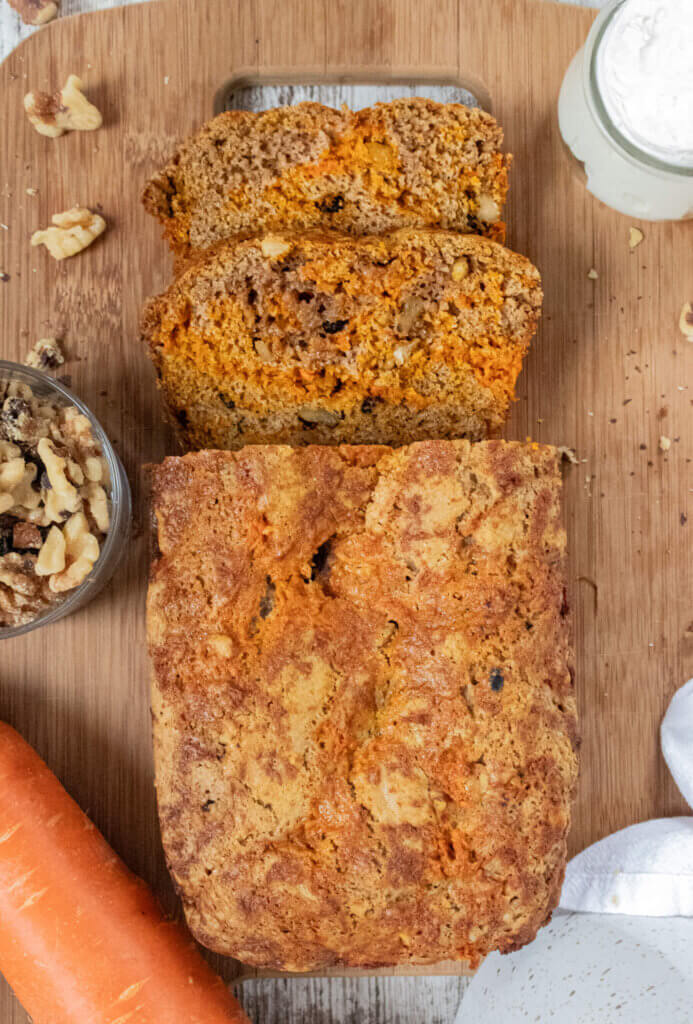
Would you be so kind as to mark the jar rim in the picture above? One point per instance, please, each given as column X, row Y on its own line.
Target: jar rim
column 629, row 149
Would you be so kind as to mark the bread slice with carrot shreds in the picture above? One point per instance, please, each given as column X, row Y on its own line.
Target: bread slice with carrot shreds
column 409, row 163
column 329, row 339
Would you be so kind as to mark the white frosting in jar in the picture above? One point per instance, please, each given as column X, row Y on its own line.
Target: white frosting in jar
column 644, row 71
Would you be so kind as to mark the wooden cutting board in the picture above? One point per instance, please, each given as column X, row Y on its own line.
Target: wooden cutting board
column 608, row 372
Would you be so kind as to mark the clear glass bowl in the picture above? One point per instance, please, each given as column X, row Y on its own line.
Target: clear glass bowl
column 120, row 501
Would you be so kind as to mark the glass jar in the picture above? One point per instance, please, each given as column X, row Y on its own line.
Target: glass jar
column 618, row 172
column 119, row 498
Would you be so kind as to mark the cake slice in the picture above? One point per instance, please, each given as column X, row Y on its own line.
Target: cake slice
column 363, row 705
column 331, row 339
column 408, row 163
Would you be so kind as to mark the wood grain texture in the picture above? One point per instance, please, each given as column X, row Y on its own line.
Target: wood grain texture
column 608, row 373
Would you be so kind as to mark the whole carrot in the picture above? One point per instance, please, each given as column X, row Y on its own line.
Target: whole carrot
column 82, row 940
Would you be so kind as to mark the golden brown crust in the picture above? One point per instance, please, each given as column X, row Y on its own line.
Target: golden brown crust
column 364, row 717
column 408, row 163
column 330, row 339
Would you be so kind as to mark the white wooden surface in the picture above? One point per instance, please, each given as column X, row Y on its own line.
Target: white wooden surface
column 311, row 1001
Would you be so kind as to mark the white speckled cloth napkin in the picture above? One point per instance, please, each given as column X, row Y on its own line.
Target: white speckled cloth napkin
column 621, row 946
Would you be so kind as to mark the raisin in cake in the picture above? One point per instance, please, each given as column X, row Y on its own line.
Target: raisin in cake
column 330, row 339
column 408, row 163
column 364, row 716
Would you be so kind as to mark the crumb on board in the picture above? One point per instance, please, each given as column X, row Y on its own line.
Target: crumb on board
column 635, row 237
column 592, row 274
column 664, row 443
column 686, row 321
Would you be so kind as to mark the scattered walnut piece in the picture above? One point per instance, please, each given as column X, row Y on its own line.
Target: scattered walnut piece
column 568, row 454
column 35, row 12
column 635, row 237
column 592, row 274
column 664, row 443
column 73, row 231
column 45, row 355
column 686, row 321
column 68, row 110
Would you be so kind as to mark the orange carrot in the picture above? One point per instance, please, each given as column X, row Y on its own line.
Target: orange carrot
column 82, row 940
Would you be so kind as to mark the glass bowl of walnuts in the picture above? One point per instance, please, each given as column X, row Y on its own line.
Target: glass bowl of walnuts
column 65, row 503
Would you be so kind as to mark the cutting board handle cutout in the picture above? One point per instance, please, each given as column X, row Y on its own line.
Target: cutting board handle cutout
column 246, row 89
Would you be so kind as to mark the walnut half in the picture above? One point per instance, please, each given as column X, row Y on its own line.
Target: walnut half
column 72, row 231
column 35, row 12
column 68, row 110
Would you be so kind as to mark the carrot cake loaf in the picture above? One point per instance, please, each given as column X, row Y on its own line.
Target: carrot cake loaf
column 364, row 715
column 408, row 163
column 330, row 339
